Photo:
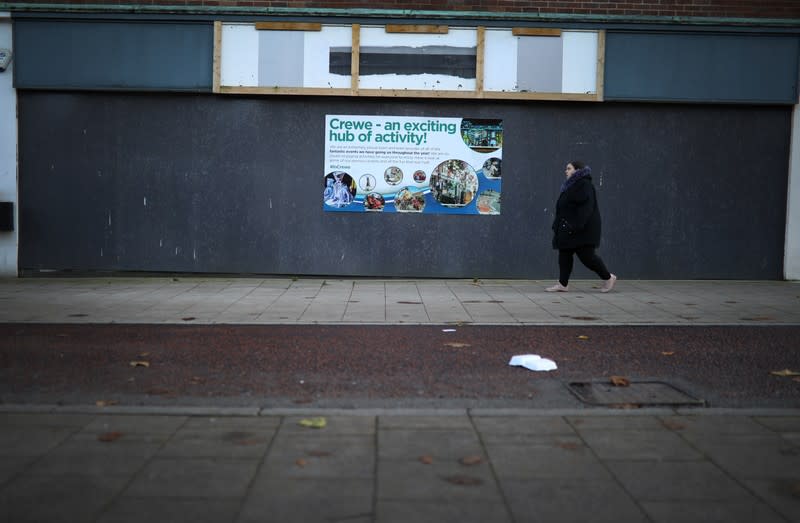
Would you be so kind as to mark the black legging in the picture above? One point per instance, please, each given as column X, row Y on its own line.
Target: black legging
column 587, row 257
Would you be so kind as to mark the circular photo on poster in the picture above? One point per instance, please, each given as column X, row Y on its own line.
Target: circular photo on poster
column 420, row 176
column 393, row 175
column 454, row 183
column 483, row 136
column 374, row 202
column 409, row 199
column 340, row 189
column 488, row 202
column 366, row 182
column 491, row 168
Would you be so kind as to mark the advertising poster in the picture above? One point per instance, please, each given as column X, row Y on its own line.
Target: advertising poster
column 412, row 164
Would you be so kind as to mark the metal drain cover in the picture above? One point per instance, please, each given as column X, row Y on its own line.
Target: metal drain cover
column 638, row 393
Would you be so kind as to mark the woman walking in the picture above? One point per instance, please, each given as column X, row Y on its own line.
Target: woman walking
column 576, row 228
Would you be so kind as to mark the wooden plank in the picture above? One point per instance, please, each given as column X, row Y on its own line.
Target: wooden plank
column 403, row 93
column 414, row 28
column 535, row 31
column 355, row 58
column 217, row 66
column 288, row 26
column 601, row 64
column 480, row 50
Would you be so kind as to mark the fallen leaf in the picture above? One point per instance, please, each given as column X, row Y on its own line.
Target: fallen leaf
column 470, row 460
column 626, row 406
column 197, row 380
column 314, row 423
column 583, row 337
column 568, row 445
column 300, row 462
column 426, row 460
column 456, row 344
column 620, row 381
column 796, row 379
column 786, row 373
column 108, row 437
column 188, row 318
column 668, row 353
column 105, row 403
column 144, row 354
column 139, row 364
column 463, row 480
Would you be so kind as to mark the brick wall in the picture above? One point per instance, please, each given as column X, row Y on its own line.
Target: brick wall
column 662, row 8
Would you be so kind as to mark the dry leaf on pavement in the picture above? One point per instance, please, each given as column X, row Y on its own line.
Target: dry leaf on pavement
column 426, row 460
column 139, row 364
column 300, row 462
column 105, row 403
column 786, row 373
column 314, row 423
column 456, row 344
column 108, row 437
column 470, row 460
column 668, row 353
column 620, row 381
column 583, row 337
column 463, row 480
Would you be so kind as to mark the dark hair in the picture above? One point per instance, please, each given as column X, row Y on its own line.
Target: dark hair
column 578, row 165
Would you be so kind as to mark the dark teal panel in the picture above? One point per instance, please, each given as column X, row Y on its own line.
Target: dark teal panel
column 113, row 55
column 701, row 67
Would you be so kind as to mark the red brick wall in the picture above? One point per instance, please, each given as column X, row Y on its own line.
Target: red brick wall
column 664, row 8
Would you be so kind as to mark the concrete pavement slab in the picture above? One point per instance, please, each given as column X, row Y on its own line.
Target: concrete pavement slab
column 57, row 499
column 732, row 511
column 319, row 456
column 545, row 457
column 287, row 500
column 420, row 511
column 126, row 509
column 193, row 478
column 571, row 500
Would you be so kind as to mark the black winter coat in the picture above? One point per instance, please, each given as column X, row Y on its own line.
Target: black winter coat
column 577, row 222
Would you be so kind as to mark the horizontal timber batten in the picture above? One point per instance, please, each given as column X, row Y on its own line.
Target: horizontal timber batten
column 410, row 93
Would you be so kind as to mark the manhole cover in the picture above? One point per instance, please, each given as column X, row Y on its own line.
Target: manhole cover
column 639, row 393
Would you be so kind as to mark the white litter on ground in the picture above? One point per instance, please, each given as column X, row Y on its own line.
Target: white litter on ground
column 533, row 362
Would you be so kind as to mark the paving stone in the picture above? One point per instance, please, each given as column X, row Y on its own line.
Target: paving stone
column 31, row 441
column 461, row 511
column 170, row 510
column 639, row 445
column 95, row 458
column 335, row 425
column 710, row 512
column 135, row 424
column 281, row 500
column 755, row 458
column 716, row 426
column 675, row 481
column 573, row 499
column 229, row 440
column 410, row 444
column 781, row 494
column 445, row 480
column 615, row 423
column 55, row 499
column 193, row 477
column 505, row 427
column 8, row 419
column 10, row 466
column 304, row 456
column 546, row 457
column 780, row 423
column 424, row 423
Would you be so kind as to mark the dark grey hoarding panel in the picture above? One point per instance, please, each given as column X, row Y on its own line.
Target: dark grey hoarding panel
column 203, row 183
column 701, row 67
column 59, row 54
